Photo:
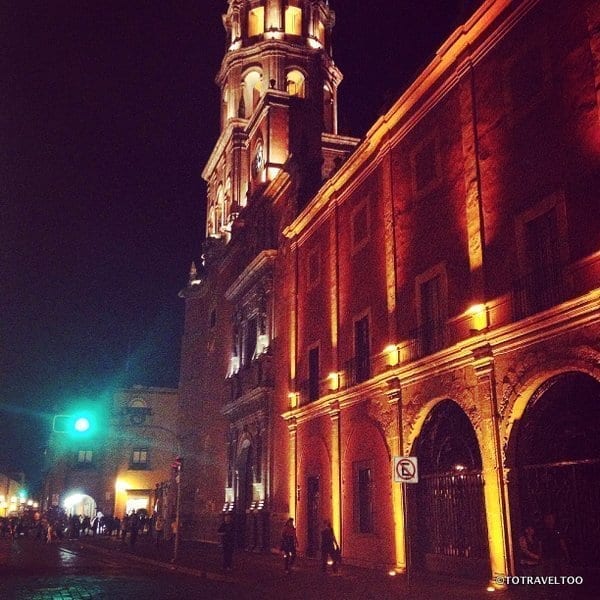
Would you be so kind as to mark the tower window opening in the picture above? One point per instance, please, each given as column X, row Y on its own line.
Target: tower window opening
column 295, row 84
column 256, row 21
column 252, row 92
column 293, row 20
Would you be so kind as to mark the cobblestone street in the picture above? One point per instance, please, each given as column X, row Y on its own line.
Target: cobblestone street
column 106, row 568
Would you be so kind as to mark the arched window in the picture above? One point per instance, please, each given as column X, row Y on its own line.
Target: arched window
column 252, row 92
column 295, row 84
column 225, row 106
column 256, row 21
column 220, row 208
column 293, row 20
column 320, row 33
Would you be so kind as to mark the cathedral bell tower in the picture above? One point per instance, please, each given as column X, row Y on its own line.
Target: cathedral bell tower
column 278, row 87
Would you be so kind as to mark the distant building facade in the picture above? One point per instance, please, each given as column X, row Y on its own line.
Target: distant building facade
column 10, row 494
column 435, row 296
column 116, row 468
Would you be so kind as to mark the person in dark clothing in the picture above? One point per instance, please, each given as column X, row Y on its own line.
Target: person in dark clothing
column 134, row 527
column 329, row 548
column 289, row 542
column 529, row 551
column 227, row 533
column 553, row 547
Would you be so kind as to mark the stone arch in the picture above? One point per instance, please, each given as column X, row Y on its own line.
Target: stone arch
column 252, row 91
column 554, row 456
column 367, row 507
column 528, row 373
column 447, row 523
column 314, row 490
column 420, row 407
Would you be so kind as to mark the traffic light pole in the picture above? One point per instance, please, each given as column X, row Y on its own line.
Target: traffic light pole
column 177, row 516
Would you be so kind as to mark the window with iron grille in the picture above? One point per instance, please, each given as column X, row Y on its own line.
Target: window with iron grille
column 363, row 497
column 313, row 373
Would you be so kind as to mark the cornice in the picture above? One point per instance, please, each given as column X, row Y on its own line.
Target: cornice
column 465, row 43
column 262, row 261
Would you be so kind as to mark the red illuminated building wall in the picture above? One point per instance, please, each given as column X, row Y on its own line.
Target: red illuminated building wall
column 435, row 296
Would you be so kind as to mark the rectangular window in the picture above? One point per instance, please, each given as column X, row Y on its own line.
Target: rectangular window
column 293, row 20
column 362, row 344
column 431, row 315
column 139, row 458
column 313, row 267
column 360, row 227
column 527, row 78
column 256, row 21
column 363, row 476
column 542, row 241
column 313, row 374
column 85, row 457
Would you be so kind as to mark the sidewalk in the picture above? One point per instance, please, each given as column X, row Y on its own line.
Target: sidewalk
column 264, row 573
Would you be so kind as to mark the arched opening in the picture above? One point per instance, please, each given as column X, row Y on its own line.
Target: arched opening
column 295, row 84
column 448, row 528
column 251, row 93
column 78, row 503
column 556, row 449
column 293, row 20
column 256, row 21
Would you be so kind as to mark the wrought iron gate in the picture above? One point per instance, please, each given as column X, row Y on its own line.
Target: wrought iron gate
column 571, row 490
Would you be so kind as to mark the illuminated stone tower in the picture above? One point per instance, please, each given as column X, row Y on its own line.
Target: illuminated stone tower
column 278, row 143
column 278, row 87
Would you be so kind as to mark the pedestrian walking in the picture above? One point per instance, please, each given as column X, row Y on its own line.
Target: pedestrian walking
column 134, row 528
column 289, row 543
column 329, row 548
column 159, row 529
column 227, row 533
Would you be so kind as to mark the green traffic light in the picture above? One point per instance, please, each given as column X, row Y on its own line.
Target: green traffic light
column 82, row 424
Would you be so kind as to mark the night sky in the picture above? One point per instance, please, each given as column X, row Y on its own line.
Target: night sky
column 108, row 114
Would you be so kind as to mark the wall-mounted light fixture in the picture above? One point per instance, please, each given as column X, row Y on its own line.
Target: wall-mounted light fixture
column 478, row 314
column 293, row 398
column 392, row 354
column 335, row 380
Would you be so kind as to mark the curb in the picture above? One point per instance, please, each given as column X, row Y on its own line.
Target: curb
column 163, row 565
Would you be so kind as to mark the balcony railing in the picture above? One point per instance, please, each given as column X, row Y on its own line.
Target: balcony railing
column 258, row 374
column 427, row 339
column 537, row 291
column 356, row 370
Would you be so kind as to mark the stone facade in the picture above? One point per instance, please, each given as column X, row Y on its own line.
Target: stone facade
column 435, row 296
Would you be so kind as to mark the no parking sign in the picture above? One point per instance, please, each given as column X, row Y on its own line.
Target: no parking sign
column 405, row 469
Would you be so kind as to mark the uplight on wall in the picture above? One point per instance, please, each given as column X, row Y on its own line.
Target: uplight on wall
column 334, row 380
column 293, row 398
column 478, row 317
column 392, row 354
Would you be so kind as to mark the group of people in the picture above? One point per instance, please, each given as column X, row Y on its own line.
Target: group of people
column 330, row 549
column 543, row 551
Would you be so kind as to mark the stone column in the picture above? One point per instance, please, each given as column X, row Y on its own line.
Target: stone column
column 495, row 486
column 336, row 472
column 394, row 394
column 293, row 467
